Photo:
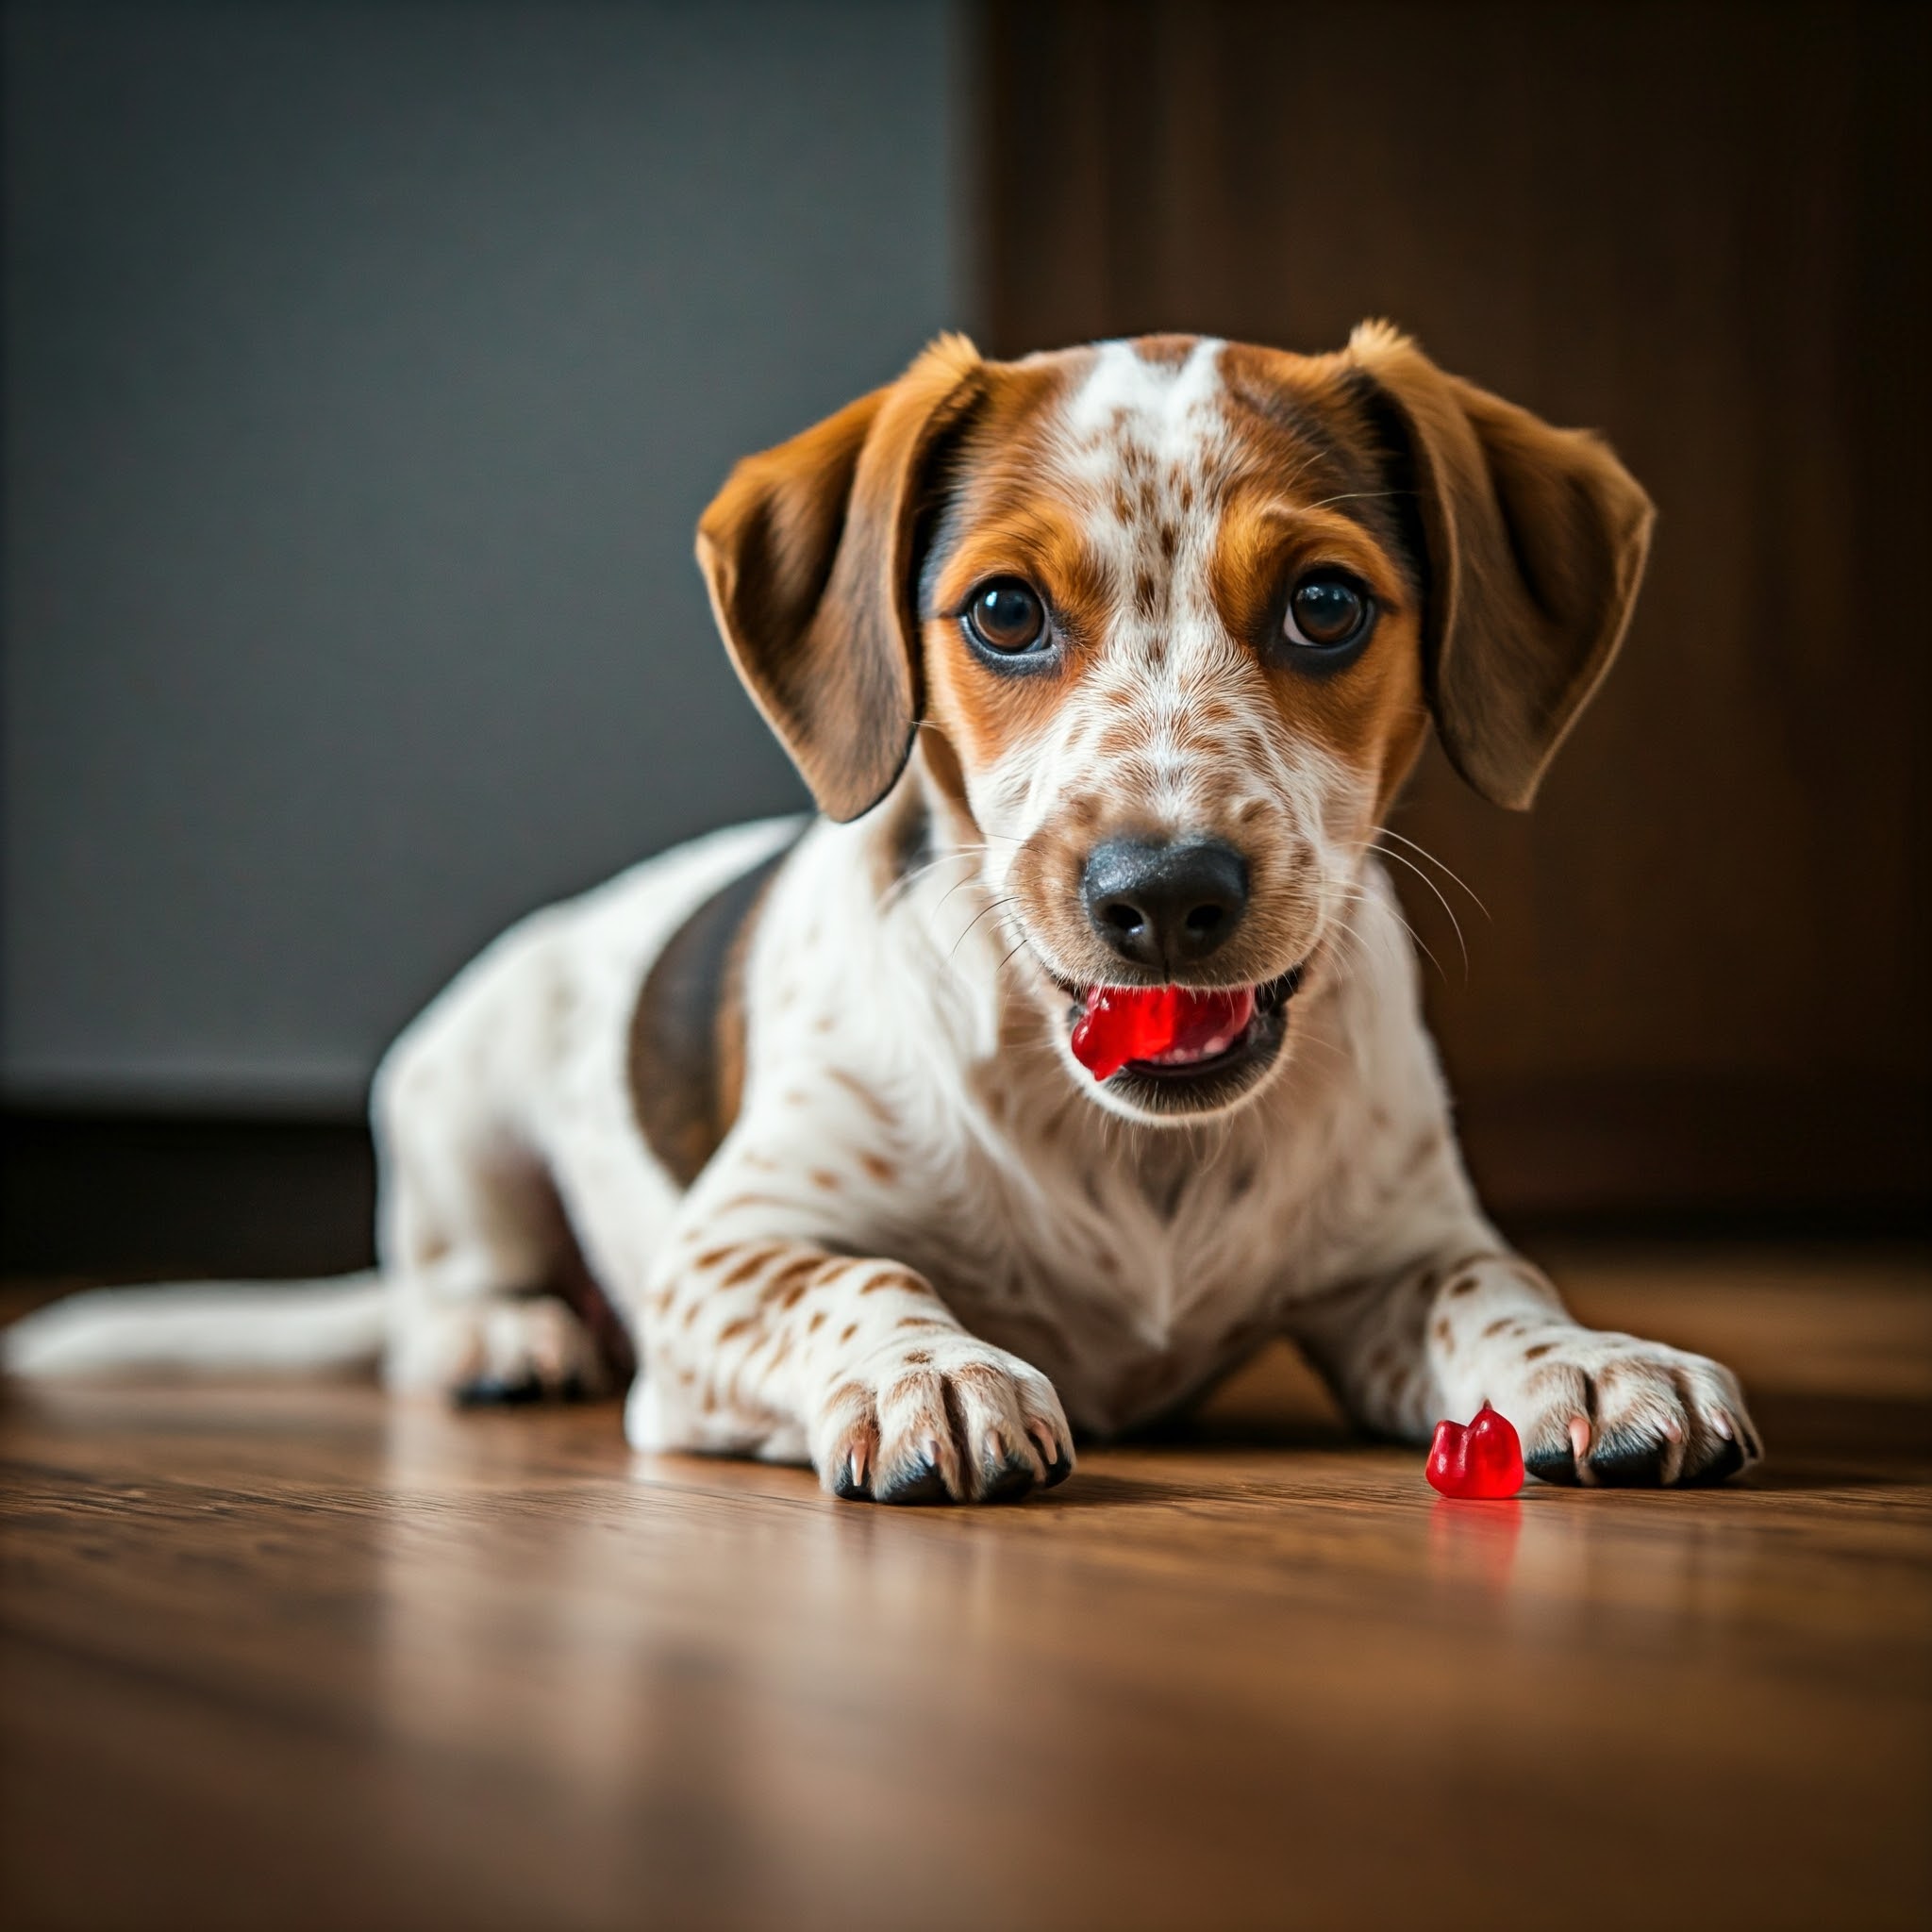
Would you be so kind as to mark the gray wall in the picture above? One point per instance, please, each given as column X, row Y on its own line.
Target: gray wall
column 366, row 369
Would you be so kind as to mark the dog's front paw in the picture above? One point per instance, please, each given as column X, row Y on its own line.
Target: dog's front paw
column 944, row 1419
column 1610, row 1410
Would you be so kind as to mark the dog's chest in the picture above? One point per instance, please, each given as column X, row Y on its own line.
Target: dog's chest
column 1128, row 1294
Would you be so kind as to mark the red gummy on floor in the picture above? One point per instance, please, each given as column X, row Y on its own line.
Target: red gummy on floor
column 1141, row 1023
column 1483, row 1460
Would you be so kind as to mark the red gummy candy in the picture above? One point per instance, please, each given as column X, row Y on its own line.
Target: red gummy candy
column 1483, row 1460
column 1155, row 1023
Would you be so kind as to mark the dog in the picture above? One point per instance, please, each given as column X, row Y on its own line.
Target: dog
column 1103, row 668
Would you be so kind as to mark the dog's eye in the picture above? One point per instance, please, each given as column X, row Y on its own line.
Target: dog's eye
column 1006, row 616
column 1325, row 611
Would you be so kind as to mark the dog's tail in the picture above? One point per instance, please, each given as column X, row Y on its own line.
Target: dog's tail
column 205, row 1327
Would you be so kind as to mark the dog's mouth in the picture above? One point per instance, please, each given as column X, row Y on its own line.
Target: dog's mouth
column 1176, row 1049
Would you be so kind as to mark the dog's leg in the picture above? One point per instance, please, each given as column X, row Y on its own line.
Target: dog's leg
column 1480, row 1325
column 469, row 1235
column 762, row 1342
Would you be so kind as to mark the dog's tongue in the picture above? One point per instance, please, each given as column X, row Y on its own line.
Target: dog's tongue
column 1164, row 1026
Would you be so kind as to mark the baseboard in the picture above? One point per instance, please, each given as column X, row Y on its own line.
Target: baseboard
column 120, row 1196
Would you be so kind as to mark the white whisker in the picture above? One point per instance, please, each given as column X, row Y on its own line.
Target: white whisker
column 1443, row 903
column 1389, row 832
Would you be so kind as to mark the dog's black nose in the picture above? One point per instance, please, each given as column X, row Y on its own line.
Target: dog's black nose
column 1165, row 906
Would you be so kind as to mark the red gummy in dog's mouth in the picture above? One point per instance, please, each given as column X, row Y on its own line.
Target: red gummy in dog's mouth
column 1159, row 1025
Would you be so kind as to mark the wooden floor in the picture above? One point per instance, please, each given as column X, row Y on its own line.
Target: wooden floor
column 292, row 1657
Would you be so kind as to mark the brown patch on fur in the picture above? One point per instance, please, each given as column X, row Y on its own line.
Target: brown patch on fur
column 918, row 1358
column 752, row 1200
column 879, row 1168
column 846, row 1333
column 1165, row 351
column 684, row 1050
column 824, row 1178
column 817, row 1322
column 761, row 1255
column 792, row 1280
column 1497, row 1327
column 732, row 1330
column 1466, row 1284
column 860, row 1091
column 1537, row 1354
column 1427, row 1145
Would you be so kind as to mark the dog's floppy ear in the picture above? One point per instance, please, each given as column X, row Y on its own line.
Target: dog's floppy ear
column 807, row 553
column 1536, row 540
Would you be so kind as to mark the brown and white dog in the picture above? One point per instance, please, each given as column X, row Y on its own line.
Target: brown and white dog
column 1104, row 667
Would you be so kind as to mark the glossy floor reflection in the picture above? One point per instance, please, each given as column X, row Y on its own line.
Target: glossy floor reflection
column 296, row 1656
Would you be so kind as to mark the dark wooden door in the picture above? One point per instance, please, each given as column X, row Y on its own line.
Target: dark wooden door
column 1702, row 229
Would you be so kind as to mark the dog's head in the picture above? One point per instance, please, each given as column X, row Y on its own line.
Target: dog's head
column 1176, row 615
